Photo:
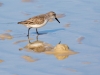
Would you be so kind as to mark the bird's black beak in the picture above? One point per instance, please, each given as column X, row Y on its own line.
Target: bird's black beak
column 57, row 20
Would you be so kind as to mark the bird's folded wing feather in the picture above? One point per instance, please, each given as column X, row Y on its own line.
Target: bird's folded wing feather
column 34, row 20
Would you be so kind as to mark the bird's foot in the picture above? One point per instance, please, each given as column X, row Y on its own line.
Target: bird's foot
column 27, row 35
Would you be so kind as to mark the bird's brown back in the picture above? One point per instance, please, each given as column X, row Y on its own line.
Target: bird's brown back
column 34, row 20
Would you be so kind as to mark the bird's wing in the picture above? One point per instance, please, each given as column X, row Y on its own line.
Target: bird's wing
column 34, row 20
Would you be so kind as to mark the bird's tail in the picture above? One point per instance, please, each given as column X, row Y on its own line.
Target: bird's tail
column 19, row 22
column 23, row 22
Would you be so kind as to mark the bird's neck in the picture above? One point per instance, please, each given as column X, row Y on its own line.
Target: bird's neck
column 47, row 16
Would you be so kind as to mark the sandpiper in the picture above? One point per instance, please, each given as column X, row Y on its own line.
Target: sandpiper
column 38, row 21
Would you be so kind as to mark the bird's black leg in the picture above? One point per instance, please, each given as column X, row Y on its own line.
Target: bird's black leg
column 37, row 31
column 28, row 31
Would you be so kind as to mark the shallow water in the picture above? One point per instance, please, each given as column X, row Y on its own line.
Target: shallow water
column 79, row 29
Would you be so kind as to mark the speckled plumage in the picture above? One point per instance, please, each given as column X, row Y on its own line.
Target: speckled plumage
column 34, row 20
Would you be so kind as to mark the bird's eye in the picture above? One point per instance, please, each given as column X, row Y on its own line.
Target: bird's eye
column 54, row 14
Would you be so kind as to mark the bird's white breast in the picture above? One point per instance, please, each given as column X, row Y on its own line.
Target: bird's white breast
column 37, row 25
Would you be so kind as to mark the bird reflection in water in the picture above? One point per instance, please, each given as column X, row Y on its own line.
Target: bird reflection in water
column 38, row 46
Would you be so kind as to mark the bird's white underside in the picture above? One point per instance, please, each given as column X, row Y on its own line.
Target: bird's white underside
column 37, row 25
